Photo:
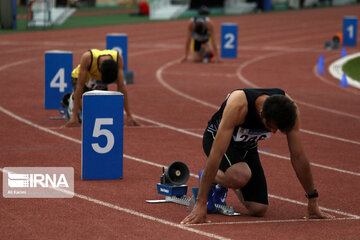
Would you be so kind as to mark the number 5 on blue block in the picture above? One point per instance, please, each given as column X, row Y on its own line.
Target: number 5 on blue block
column 58, row 67
column 350, row 31
column 102, row 135
column 229, row 34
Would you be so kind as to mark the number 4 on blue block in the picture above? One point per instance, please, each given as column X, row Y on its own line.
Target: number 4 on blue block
column 58, row 67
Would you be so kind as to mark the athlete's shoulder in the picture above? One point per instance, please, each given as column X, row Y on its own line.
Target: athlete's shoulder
column 87, row 54
column 236, row 107
column 238, row 98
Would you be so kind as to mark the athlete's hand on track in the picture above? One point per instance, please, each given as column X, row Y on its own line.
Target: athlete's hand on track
column 72, row 123
column 130, row 121
column 314, row 212
column 197, row 215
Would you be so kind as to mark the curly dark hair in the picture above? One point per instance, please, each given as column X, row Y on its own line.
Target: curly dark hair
column 280, row 110
column 109, row 71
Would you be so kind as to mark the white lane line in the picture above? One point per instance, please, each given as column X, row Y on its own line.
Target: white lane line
column 313, row 164
column 160, row 79
column 330, row 137
column 261, row 152
column 142, row 160
column 251, row 84
column 138, row 214
column 276, row 221
column 322, row 208
column 160, row 71
column 16, row 63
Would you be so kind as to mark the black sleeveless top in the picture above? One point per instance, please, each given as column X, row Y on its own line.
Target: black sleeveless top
column 247, row 134
column 203, row 37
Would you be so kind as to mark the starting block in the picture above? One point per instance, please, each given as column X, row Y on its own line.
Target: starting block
column 190, row 201
column 222, row 209
column 102, row 135
column 119, row 43
column 128, row 77
column 229, row 38
column 350, row 31
column 58, row 67
column 172, row 186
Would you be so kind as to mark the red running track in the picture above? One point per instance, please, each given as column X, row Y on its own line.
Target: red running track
column 174, row 101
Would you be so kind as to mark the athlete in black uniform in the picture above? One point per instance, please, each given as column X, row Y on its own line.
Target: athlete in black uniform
column 201, row 30
column 230, row 142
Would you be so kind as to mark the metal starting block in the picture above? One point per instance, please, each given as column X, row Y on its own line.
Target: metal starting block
column 172, row 199
column 188, row 201
column 222, row 209
column 172, row 186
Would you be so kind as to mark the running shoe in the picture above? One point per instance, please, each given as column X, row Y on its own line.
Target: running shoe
column 219, row 196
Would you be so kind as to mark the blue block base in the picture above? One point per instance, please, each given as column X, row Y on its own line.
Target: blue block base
column 169, row 190
column 129, row 77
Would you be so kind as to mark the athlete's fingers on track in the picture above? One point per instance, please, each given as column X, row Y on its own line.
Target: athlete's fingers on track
column 320, row 215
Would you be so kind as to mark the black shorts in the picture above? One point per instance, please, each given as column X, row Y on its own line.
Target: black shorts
column 256, row 189
column 197, row 45
column 86, row 89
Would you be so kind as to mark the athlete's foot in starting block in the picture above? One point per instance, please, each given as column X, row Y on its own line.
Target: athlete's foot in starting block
column 219, row 196
column 210, row 203
column 219, row 200
column 208, row 57
column 216, row 200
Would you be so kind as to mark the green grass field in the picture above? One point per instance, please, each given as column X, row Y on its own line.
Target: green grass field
column 352, row 68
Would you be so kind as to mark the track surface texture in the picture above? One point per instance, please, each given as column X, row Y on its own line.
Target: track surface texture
column 174, row 101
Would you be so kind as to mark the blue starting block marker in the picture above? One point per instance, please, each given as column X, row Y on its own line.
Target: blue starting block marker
column 119, row 42
column 229, row 36
column 171, row 190
column 350, row 31
column 102, row 135
column 58, row 68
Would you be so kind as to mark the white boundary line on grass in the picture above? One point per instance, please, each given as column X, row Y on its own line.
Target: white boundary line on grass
column 336, row 71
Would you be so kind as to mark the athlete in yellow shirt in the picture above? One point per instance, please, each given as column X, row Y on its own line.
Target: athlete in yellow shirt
column 96, row 70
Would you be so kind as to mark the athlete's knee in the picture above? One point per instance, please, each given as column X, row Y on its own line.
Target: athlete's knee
column 239, row 175
column 257, row 209
column 197, row 57
column 240, row 180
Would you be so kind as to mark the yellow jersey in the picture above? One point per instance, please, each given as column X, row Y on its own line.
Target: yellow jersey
column 93, row 76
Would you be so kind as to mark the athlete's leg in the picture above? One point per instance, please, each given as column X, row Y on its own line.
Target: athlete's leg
column 197, row 54
column 254, row 194
column 241, row 170
column 255, row 209
column 208, row 48
column 197, row 57
column 236, row 176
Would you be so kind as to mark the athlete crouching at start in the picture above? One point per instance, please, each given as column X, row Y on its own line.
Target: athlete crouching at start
column 230, row 142
column 97, row 69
